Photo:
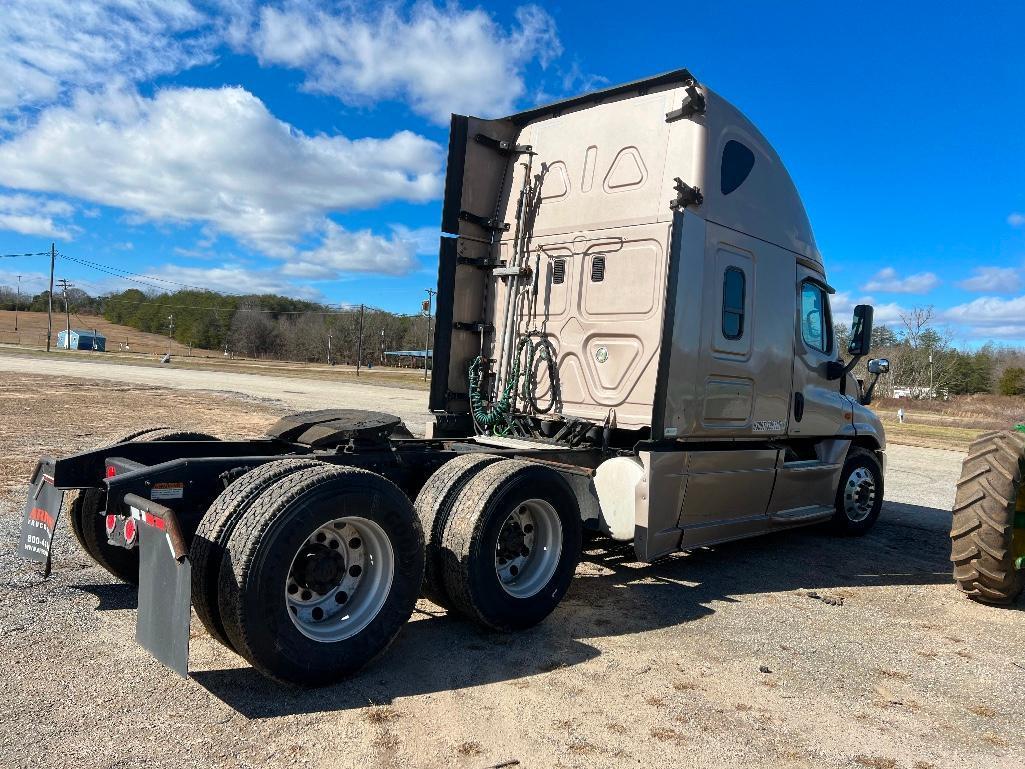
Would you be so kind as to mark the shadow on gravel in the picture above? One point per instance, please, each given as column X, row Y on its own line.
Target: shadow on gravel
column 613, row 595
column 112, row 597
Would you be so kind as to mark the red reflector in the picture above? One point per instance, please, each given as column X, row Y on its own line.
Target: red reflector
column 111, row 524
column 111, row 471
column 130, row 531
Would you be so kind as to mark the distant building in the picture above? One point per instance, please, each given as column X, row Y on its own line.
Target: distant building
column 82, row 340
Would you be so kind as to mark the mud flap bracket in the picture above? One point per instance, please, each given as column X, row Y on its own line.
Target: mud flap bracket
column 165, row 584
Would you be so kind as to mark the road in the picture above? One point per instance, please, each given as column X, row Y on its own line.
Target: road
column 292, row 393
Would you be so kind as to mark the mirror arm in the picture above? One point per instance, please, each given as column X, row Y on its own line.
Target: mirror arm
column 866, row 396
column 837, row 370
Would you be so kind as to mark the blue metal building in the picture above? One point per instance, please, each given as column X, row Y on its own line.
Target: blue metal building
column 82, row 340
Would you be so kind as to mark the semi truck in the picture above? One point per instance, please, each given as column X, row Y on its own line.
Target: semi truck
column 634, row 339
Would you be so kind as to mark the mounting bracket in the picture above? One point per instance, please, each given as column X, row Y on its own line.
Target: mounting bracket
column 503, row 147
column 685, row 195
column 487, row 223
column 693, row 104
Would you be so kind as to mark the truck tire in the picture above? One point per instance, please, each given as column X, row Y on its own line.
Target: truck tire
column 86, row 519
column 988, row 529
column 511, row 545
column 215, row 528
column 859, row 496
column 433, row 506
column 321, row 573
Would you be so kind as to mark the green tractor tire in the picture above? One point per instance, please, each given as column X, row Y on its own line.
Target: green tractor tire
column 988, row 529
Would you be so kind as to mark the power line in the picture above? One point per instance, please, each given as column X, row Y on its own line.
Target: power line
column 15, row 256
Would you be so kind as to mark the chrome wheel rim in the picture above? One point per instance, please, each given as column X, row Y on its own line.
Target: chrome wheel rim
column 859, row 495
column 339, row 579
column 529, row 548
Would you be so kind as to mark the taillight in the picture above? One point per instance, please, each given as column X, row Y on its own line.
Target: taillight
column 130, row 531
column 111, row 524
column 111, row 471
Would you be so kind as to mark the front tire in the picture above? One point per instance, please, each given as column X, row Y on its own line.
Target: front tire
column 511, row 545
column 859, row 497
column 321, row 573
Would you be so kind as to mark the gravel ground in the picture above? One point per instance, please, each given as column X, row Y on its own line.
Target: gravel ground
column 794, row 650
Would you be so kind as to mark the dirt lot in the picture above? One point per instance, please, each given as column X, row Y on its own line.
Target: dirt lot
column 797, row 650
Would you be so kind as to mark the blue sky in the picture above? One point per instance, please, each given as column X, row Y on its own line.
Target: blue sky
column 299, row 147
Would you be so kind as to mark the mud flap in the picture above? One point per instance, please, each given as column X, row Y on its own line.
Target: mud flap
column 42, row 509
column 165, row 585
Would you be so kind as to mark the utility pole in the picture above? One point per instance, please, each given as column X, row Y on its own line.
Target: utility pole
column 359, row 342
column 17, row 304
column 67, row 309
column 49, row 299
column 427, row 338
column 170, row 330
column 329, row 350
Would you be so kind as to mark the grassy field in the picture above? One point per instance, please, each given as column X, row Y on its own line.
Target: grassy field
column 147, row 349
column 948, row 424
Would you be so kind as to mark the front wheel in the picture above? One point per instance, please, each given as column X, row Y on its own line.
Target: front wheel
column 859, row 497
column 511, row 545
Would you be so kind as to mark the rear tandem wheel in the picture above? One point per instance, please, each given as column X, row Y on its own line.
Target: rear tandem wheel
column 321, row 572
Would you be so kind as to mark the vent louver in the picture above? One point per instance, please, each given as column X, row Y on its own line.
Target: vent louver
column 598, row 268
column 559, row 271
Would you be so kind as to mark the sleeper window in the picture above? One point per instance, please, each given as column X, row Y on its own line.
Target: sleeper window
column 815, row 322
column 733, row 289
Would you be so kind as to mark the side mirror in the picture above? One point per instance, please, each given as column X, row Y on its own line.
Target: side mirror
column 861, row 331
column 878, row 366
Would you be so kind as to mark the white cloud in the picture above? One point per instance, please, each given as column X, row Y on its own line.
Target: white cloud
column 33, row 215
column 217, row 157
column 989, row 311
column 342, row 251
column 50, row 47
column 233, row 279
column 888, row 281
column 1016, row 220
column 998, row 332
column 998, row 280
column 438, row 59
column 842, row 305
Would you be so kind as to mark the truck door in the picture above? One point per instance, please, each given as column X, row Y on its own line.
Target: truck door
column 817, row 408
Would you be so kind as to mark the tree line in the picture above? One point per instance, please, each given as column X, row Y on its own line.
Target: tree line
column 925, row 362
column 252, row 326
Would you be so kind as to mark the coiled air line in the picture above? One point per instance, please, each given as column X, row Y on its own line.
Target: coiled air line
column 497, row 416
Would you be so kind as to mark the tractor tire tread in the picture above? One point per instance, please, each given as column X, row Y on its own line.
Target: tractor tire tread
column 982, row 528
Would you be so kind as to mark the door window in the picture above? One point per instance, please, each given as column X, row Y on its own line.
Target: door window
column 816, row 326
column 733, row 290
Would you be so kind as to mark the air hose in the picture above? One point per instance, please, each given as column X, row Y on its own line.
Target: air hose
column 496, row 416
